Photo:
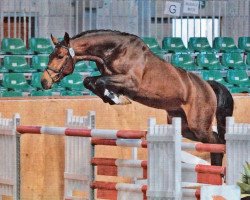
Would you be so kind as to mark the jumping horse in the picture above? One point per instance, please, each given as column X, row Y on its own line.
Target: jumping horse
column 129, row 70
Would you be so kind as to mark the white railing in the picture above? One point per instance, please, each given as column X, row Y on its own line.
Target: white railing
column 9, row 158
column 164, row 163
column 78, row 172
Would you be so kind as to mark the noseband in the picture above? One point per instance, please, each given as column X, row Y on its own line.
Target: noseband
column 59, row 72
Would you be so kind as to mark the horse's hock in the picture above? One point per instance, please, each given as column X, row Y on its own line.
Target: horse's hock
column 42, row 157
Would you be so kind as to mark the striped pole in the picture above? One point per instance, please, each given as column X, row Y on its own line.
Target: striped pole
column 121, row 167
column 108, row 137
column 204, row 147
column 206, row 174
column 197, row 146
column 142, row 143
column 103, row 133
column 110, row 190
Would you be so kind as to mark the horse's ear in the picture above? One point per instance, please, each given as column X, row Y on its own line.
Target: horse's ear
column 66, row 38
column 54, row 39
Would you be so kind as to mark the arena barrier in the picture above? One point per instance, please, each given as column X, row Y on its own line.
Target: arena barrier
column 9, row 158
column 166, row 175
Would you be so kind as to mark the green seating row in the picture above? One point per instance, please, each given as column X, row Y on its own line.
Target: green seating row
column 169, row 45
column 18, row 82
column 236, row 80
column 19, row 64
column 17, row 46
column 14, row 84
column 198, row 44
column 210, row 61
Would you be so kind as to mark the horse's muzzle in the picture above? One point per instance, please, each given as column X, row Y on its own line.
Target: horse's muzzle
column 46, row 84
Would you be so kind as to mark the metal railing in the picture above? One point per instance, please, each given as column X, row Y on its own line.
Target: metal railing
column 40, row 18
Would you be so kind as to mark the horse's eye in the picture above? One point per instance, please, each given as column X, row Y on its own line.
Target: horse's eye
column 60, row 57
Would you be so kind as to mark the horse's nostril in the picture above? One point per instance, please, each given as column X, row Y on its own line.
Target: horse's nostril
column 45, row 84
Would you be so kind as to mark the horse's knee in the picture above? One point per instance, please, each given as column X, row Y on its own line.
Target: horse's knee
column 89, row 83
column 86, row 81
column 100, row 82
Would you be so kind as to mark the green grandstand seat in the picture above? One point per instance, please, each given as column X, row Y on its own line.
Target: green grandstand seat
column 40, row 45
column 14, row 46
column 36, row 81
column 154, row 46
column 11, row 94
column 16, row 63
column 3, row 69
column 244, row 44
column 16, row 81
column 238, row 78
column 233, row 60
column 57, row 87
column 184, row 61
column 174, row 45
column 2, row 88
column 151, row 43
column 2, row 52
column 239, row 90
column 215, row 75
column 82, row 66
column 41, row 93
column 92, row 64
column 95, row 73
column 208, row 61
column 225, row 44
column 39, row 62
column 248, row 59
column 199, row 44
column 73, row 82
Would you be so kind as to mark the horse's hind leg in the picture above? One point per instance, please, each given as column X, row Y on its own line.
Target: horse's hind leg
column 200, row 122
column 186, row 132
column 217, row 158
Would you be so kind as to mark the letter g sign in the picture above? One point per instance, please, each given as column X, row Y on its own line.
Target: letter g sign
column 172, row 8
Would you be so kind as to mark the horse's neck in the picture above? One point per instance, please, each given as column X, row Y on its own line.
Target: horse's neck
column 94, row 48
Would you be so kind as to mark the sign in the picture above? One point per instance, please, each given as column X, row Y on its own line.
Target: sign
column 191, row 7
column 172, row 8
column 202, row 3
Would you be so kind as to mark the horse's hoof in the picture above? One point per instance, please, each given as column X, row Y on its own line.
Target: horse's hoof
column 116, row 99
column 123, row 100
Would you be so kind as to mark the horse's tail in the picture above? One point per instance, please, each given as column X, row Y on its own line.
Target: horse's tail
column 225, row 106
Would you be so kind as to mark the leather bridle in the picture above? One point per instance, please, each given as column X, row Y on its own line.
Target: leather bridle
column 59, row 72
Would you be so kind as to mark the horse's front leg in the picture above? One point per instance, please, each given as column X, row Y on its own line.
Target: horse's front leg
column 119, row 84
column 89, row 83
column 102, row 92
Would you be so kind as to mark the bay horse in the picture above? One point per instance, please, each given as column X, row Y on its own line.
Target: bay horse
column 129, row 70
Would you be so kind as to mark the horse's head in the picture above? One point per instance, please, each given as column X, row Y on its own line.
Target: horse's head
column 61, row 62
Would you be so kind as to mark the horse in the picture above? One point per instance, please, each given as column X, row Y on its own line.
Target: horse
column 130, row 71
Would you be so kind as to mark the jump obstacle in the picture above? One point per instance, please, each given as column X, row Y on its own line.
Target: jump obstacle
column 163, row 176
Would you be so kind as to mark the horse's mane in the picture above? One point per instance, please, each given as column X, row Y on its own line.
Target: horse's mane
column 92, row 32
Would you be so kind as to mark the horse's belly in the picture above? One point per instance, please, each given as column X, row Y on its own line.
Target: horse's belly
column 159, row 103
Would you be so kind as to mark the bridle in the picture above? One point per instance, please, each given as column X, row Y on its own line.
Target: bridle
column 71, row 54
